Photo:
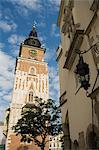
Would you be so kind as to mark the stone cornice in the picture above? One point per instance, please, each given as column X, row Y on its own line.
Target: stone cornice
column 31, row 60
column 60, row 54
column 91, row 23
column 60, row 12
column 95, row 5
column 75, row 44
column 42, row 49
column 62, row 98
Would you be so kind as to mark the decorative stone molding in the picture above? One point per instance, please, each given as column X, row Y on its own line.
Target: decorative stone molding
column 95, row 52
column 60, row 12
column 68, row 23
column 68, row 26
column 75, row 44
column 59, row 56
column 93, row 39
column 67, row 20
column 95, row 5
column 63, row 99
column 88, row 29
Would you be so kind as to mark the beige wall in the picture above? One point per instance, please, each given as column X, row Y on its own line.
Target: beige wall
column 79, row 106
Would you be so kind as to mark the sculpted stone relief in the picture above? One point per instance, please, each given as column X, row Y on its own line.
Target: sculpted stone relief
column 69, row 27
column 67, row 21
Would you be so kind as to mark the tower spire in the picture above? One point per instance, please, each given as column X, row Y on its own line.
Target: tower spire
column 34, row 24
column 33, row 40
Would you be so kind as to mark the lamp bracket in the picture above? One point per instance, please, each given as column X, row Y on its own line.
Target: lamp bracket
column 94, row 47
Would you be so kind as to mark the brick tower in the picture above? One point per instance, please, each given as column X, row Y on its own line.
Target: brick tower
column 31, row 79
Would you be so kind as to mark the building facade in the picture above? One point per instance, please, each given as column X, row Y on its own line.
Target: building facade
column 55, row 142
column 79, row 30
column 31, row 79
column 2, row 137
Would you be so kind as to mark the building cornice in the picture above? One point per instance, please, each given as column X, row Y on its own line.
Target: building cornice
column 95, row 5
column 60, row 12
column 59, row 56
column 37, row 48
column 31, row 60
column 88, row 29
column 75, row 44
column 62, row 98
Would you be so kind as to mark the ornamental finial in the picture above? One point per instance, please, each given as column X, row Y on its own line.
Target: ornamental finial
column 34, row 24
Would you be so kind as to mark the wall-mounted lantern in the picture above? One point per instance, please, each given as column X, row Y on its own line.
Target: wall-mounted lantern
column 82, row 70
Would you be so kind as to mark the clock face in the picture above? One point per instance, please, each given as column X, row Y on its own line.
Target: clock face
column 33, row 53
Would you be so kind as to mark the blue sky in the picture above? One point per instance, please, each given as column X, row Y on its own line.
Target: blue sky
column 16, row 20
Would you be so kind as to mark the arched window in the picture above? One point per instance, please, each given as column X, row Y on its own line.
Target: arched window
column 92, row 140
column 32, row 71
column 31, row 96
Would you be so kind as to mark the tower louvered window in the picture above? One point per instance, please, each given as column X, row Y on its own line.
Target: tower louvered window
column 31, row 96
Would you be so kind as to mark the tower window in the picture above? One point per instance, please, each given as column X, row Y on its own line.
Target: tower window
column 54, row 144
column 32, row 71
column 31, row 97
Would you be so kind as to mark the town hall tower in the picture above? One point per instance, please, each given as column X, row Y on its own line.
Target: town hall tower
column 31, row 79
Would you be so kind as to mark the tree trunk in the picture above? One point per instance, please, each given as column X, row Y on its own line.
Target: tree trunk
column 43, row 144
column 42, row 147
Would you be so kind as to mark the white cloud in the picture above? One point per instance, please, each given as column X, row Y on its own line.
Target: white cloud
column 15, row 39
column 53, row 5
column 55, row 2
column 6, row 74
column 2, row 111
column 22, row 11
column 30, row 4
column 50, row 54
column 7, row 96
column 53, row 30
column 0, row 15
column 7, row 64
column 41, row 24
column 1, row 134
column 54, row 83
column 1, row 45
column 12, row 39
column 42, row 38
column 7, row 26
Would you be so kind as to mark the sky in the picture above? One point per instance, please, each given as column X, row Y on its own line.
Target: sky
column 16, row 21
